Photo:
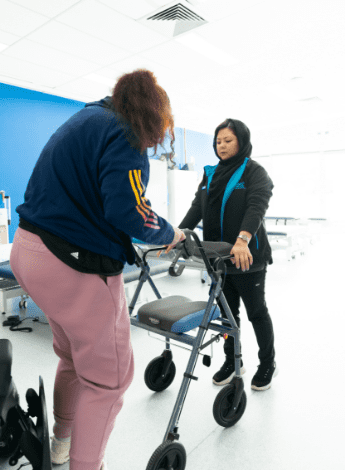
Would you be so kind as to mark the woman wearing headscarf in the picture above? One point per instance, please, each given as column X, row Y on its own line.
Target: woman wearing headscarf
column 84, row 203
column 232, row 200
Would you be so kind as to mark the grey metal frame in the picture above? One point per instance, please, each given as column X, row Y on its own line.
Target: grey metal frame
column 195, row 341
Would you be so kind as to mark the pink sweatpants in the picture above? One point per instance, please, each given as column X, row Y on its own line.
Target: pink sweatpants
column 91, row 330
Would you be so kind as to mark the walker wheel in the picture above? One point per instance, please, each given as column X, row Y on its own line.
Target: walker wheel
column 222, row 407
column 25, row 304
column 171, row 455
column 20, row 304
column 153, row 373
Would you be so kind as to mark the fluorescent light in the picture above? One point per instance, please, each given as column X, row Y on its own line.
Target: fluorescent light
column 3, row 46
column 198, row 44
column 94, row 77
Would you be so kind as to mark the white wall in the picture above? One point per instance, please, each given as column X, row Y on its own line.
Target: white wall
column 157, row 192
column 299, row 137
column 307, row 185
column 306, row 163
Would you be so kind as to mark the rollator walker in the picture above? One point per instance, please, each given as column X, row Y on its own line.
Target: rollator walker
column 170, row 317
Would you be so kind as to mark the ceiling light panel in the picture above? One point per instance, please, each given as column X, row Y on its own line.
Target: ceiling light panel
column 66, row 39
column 18, row 20
column 24, row 70
column 104, row 23
column 48, row 8
column 56, row 60
column 133, row 8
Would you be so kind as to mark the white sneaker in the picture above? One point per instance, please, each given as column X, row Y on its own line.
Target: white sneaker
column 104, row 465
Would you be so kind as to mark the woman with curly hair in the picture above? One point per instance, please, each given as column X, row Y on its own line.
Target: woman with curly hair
column 84, row 202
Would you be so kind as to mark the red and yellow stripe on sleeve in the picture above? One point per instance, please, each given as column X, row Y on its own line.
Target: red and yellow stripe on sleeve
column 142, row 206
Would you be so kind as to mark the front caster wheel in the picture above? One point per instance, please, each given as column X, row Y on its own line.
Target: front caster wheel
column 222, row 407
column 168, row 456
column 153, row 373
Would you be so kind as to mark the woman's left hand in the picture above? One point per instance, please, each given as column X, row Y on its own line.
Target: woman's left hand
column 243, row 257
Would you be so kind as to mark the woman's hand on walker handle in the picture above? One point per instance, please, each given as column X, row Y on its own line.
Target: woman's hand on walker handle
column 179, row 237
column 242, row 255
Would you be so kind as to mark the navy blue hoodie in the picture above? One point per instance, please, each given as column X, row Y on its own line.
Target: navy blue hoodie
column 86, row 195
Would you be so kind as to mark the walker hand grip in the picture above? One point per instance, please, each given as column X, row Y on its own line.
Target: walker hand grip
column 190, row 247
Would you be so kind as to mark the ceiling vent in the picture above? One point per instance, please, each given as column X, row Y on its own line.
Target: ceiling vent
column 174, row 19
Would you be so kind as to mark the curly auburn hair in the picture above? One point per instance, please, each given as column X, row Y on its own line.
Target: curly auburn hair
column 146, row 106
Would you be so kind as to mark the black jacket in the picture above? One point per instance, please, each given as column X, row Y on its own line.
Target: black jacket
column 244, row 211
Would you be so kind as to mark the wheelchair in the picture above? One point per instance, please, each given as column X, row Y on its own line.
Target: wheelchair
column 19, row 435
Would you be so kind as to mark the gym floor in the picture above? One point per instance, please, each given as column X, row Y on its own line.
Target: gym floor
column 298, row 424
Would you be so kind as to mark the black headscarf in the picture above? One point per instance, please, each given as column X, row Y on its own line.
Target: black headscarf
column 227, row 168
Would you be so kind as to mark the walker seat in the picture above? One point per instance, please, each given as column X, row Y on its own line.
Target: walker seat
column 175, row 313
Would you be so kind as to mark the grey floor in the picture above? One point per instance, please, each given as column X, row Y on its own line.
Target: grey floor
column 297, row 424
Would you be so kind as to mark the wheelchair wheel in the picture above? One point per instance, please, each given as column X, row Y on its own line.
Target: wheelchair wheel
column 223, row 404
column 10, row 437
column 153, row 373
column 168, row 456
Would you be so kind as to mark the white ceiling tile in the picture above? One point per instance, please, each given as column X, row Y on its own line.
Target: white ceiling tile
column 273, row 42
column 133, row 63
column 88, row 87
column 133, row 8
column 8, row 38
column 100, row 21
column 48, row 8
column 32, row 73
column 18, row 20
column 66, row 39
column 178, row 57
column 220, row 9
column 51, row 58
column 43, row 89
column 24, row 84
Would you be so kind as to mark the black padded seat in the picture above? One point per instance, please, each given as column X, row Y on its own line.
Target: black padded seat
column 175, row 313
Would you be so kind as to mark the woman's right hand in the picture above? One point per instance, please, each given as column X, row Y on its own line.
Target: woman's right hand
column 179, row 237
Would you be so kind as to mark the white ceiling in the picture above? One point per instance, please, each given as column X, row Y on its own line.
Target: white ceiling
column 77, row 49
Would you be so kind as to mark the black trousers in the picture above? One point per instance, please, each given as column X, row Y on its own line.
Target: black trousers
column 250, row 287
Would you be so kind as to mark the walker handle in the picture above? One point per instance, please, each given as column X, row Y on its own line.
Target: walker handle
column 190, row 247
